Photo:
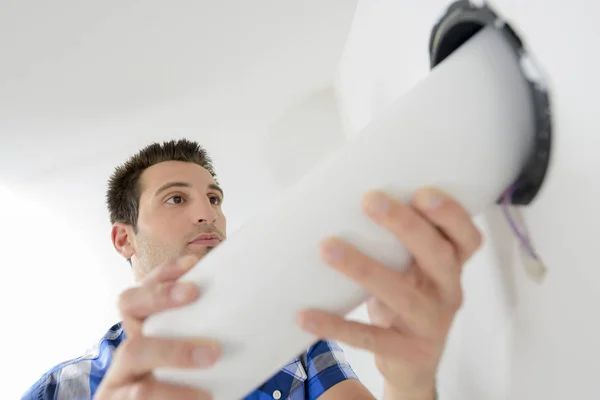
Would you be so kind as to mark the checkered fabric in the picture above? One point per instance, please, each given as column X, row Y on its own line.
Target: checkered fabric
column 305, row 378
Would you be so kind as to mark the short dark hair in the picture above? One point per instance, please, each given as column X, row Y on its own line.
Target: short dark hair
column 123, row 194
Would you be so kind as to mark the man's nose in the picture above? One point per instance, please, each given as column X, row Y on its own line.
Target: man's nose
column 205, row 213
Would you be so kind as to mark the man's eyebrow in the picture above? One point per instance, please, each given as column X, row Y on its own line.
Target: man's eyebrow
column 170, row 185
column 216, row 187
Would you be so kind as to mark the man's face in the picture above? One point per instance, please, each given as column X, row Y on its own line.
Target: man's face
column 179, row 214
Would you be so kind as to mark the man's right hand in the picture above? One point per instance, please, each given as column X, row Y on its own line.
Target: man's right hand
column 129, row 377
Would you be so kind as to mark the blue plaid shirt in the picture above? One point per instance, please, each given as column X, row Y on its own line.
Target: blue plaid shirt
column 305, row 378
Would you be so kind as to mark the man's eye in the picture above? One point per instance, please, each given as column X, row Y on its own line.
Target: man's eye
column 215, row 200
column 175, row 200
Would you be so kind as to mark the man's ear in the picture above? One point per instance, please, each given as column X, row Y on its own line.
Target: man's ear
column 121, row 238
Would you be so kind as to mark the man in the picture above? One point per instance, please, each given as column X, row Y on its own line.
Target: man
column 165, row 207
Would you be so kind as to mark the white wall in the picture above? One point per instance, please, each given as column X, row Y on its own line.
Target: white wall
column 514, row 339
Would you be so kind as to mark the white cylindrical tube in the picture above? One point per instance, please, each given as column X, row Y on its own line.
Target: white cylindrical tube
column 467, row 128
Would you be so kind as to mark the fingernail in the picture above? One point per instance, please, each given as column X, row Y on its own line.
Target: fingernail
column 333, row 251
column 429, row 199
column 205, row 356
column 378, row 204
column 182, row 291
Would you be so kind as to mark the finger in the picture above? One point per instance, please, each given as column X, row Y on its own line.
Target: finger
column 171, row 270
column 452, row 219
column 433, row 253
column 158, row 292
column 138, row 356
column 367, row 337
column 140, row 302
column 415, row 308
column 151, row 389
column 383, row 316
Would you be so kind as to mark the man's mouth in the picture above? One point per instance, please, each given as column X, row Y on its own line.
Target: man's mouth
column 206, row 240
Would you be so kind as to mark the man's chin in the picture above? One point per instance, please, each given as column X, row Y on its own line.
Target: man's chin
column 200, row 252
column 209, row 249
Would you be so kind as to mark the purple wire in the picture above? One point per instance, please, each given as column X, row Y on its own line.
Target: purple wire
column 523, row 238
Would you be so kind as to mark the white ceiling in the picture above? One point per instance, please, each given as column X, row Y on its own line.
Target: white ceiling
column 80, row 80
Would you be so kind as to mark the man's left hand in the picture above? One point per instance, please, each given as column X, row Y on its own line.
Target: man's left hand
column 411, row 311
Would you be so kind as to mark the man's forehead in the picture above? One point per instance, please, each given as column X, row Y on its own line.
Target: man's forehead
column 169, row 171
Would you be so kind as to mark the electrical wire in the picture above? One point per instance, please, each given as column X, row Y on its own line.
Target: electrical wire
column 522, row 235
